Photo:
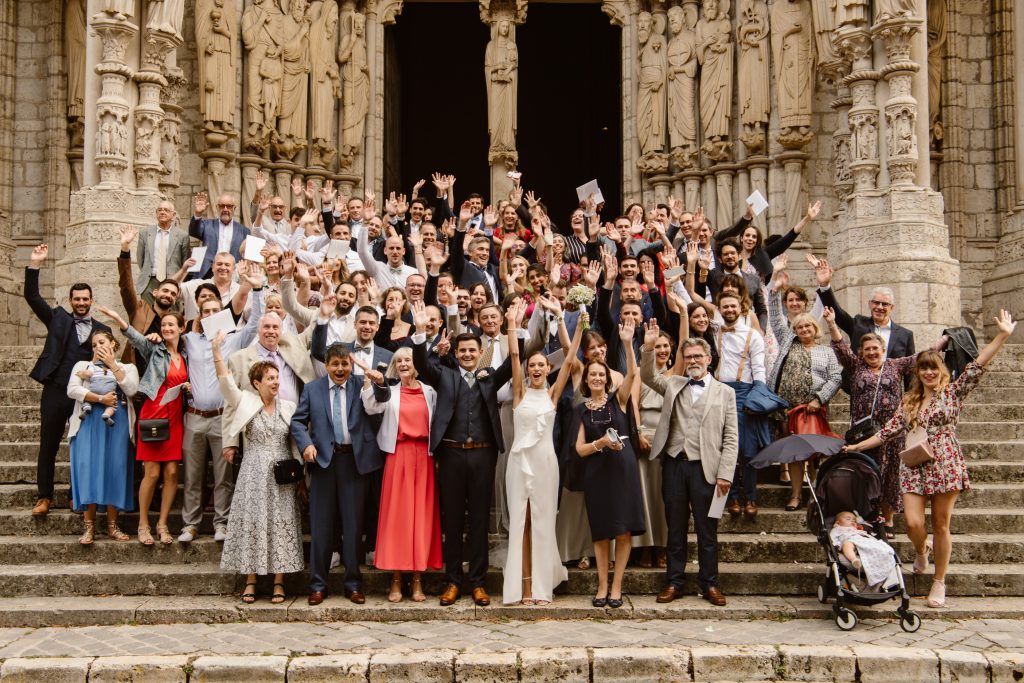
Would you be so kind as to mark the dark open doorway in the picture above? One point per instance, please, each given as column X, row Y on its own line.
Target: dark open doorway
column 570, row 100
column 436, row 106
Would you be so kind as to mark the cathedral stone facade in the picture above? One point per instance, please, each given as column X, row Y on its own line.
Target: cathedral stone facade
column 901, row 115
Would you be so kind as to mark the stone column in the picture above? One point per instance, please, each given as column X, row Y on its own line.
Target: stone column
column 901, row 117
column 149, row 114
column 501, row 61
column 623, row 13
column 842, row 177
column 379, row 13
column 856, row 45
column 170, row 130
column 12, row 308
column 112, row 108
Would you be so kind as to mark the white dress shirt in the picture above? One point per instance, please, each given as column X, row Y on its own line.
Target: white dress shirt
column 165, row 236
column 730, row 351
column 224, row 235
column 884, row 333
column 365, row 357
column 289, row 390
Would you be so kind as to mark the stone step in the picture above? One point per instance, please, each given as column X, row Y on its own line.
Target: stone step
column 733, row 547
column 746, row 578
column 968, row 520
column 973, row 412
column 30, row 351
column 967, row 431
column 17, row 452
column 58, row 612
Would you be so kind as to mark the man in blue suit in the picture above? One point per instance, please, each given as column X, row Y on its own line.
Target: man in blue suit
column 339, row 443
column 223, row 234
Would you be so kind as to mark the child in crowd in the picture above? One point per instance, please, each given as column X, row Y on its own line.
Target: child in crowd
column 863, row 551
column 101, row 381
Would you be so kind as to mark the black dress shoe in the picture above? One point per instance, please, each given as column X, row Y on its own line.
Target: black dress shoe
column 615, row 603
column 600, row 602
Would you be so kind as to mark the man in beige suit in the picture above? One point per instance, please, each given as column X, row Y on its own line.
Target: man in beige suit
column 698, row 438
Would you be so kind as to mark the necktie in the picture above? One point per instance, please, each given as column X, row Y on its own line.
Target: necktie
column 696, row 382
column 470, row 379
column 161, row 255
column 273, row 358
column 488, row 356
column 336, row 413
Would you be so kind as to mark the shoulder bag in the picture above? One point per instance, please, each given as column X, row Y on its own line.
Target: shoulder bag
column 917, row 451
column 287, row 471
column 154, row 430
column 866, row 427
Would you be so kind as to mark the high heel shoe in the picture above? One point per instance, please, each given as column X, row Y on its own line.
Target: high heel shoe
column 88, row 534
column 395, row 594
column 937, row 595
column 921, row 561
column 145, row 536
column 165, row 534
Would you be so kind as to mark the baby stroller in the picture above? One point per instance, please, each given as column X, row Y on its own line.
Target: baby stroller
column 851, row 481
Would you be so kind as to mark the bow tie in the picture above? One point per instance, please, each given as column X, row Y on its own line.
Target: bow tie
column 729, row 328
column 362, row 349
column 696, row 382
column 87, row 320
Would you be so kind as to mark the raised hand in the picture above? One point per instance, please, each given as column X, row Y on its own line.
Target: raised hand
column 128, row 234
column 676, row 209
column 389, row 205
column 440, row 183
column 647, row 272
column 113, row 316
column 823, row 273
column 692, row 255
column 218, row 340
column 749, row 213
column 651, row 333
column 829, row 314
column 444, row 344
column 465, row 213
column 296, row 187
column 419, row 316
column 287, row 264
column 261, row 181
column 264, row 204
column 592, row 274
column 38, row 255
column 698, row 219
column 490, row 216
column 531, row 199
column 611, row 269
column 550, row 304
column 811, row 259
column 372, row 290
column 402, row 205
column 310, row 191
column 327, row 306
column 813, row 210
column 626, row 330
column 781, row 262
column 328, row 193
column 515, row 197
column 254, row 275
column 612, row 232
column 1005, row 323
column 417, row 187
column 669, row 259
column 200, row 203
column 301, row 274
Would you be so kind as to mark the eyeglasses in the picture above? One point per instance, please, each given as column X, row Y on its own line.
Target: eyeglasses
column 225, row 206
column 880, row 304
column 699, row 356
column 277, row 206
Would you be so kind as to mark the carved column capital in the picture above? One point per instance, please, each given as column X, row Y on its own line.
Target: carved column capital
column 493, row 10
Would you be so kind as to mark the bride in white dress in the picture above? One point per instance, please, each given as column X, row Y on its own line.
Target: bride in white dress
column 533, row 567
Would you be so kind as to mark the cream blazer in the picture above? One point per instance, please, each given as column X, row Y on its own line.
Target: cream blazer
column 245, row 406
column 387, row 435
column 78, row 390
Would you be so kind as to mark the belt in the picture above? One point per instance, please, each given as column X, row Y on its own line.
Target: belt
column 342, row 448
column 204, row 413
column 465, row 445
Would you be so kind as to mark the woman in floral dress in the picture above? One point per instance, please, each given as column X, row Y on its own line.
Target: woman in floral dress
column 935, row 402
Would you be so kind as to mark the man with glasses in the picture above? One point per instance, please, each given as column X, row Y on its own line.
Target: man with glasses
column 219, row 235
column 161, row 252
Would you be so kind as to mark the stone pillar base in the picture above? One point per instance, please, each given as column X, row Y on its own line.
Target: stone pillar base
column 897, row 239
column 1002, row 286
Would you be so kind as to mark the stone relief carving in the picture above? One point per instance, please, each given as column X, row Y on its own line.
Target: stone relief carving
column 865, row 137
column 852, row 12
column 355, row 88
column 216, row 33
column 294, row 102
column 74, row 53
column 841, row 154
column 888, row 9
column 823, row 19
column 752, row 37
column 794, row 70
column 682, row 84
column 260, row 31
column 325, row 83
column 650, row 107
column 120, row 9
column 166, row 16
column 936, row 55
column 501, row 66
column 714, row 52
column 901, row 137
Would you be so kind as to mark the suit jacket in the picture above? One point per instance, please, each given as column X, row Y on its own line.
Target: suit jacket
column 312, row 424
column 466, row 275
column 447, row 380
column 901, row 340
column 246, row 405
column 208, row 231
column 719, row 436
column 61, row 349
column 178, row 250
column 387, row 401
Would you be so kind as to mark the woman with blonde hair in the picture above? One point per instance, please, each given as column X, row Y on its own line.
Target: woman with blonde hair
column 934, row 404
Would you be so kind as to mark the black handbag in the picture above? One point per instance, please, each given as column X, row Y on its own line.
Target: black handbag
column 866, row 427
column 154, row 430
column 288, row 471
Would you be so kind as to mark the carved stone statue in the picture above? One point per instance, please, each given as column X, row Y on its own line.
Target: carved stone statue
column 794, row 69
column 166, row 16
column 851, row 12
column 714, row 52
column 936, row 54
column 752, row 36
column 841, row 152
column 501, row 66
column 682, row 83
column 118, row 8
column 216, row 33
column 889, row 9
column 824, row 20
column 650, row 101
column 865, row 138
column 74, row 53
column 294, row 103
column 326, row 85
column 260, row 30
column 355, row 88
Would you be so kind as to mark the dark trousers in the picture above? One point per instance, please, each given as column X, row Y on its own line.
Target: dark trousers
column 55, row 410
column 684, row 489
column 337, row 496
column 747, row 475
column 374, row 486
column 466, row 480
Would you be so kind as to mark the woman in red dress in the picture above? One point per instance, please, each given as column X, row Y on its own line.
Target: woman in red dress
column 409, row 529
column 166, row 370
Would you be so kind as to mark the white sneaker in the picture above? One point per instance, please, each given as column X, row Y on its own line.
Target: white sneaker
column 335, row 560
column 188, row 534
column 369, row 558
column 220, row 534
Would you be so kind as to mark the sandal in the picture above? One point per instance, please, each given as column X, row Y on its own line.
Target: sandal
column 88, row 534
column 528, row 602
column 890, row 532
column 165, row 534
column 542, row 603
column 395, row 594
column 115, row 534
column 921, row 561
column 793, row 504
column 937, row 595
column 416, row 588
column 145, row 537
column 584, row 563
column 277, row 598
column 249, row 596
column 784, row 475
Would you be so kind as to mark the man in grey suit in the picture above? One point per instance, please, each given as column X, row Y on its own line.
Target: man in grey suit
column 698, row 439
column 161, row 252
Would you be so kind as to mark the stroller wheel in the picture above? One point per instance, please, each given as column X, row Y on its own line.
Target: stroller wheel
column 909, row 622
column 822, row 593
column 846, row 620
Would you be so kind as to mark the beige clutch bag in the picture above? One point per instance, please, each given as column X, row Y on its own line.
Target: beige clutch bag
column 917, row 451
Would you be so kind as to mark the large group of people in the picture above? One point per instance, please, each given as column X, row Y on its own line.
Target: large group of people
column 395, row 370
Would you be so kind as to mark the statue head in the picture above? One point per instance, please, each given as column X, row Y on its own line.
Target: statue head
column 358, row 24
column 710, row 9
column 675, row 19
column 503, row 28
column 298, row 9
column 643, row 26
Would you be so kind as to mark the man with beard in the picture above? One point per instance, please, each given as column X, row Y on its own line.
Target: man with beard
column 697, row 436
column 220, row 235
column 68, row 340
column 729, row 262
column 340, row 326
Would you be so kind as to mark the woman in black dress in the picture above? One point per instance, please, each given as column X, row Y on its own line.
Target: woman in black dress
column 611, row 479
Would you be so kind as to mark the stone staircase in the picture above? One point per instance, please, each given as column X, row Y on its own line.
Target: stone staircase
column 773, row 558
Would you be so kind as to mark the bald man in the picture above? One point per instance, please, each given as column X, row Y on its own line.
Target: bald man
column 162, row 250
column 221, row 234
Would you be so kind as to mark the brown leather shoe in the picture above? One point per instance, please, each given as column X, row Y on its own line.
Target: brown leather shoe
column 450, row 595
column 713, row 594
column 733, row 507
column 355, row 596
column 42, row 507
column 750, row 511
column 481, row 598
column 669, row 594
column 316, row 597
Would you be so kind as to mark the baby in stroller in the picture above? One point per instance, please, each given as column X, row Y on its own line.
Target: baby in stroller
column 862, row 551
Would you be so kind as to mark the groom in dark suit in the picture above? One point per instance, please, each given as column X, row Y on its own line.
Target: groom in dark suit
column 465, row 434
column 68, row 340
column 339, row 444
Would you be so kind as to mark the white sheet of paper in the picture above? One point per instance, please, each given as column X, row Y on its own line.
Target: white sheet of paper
column 757, row 200
column 171, row 394
column 590, row 188
column 678, row 270
column 253, row 247
column 223, row 320
column 337, row 249
column 198, row 253
column 556, row 359
column 717, row 505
